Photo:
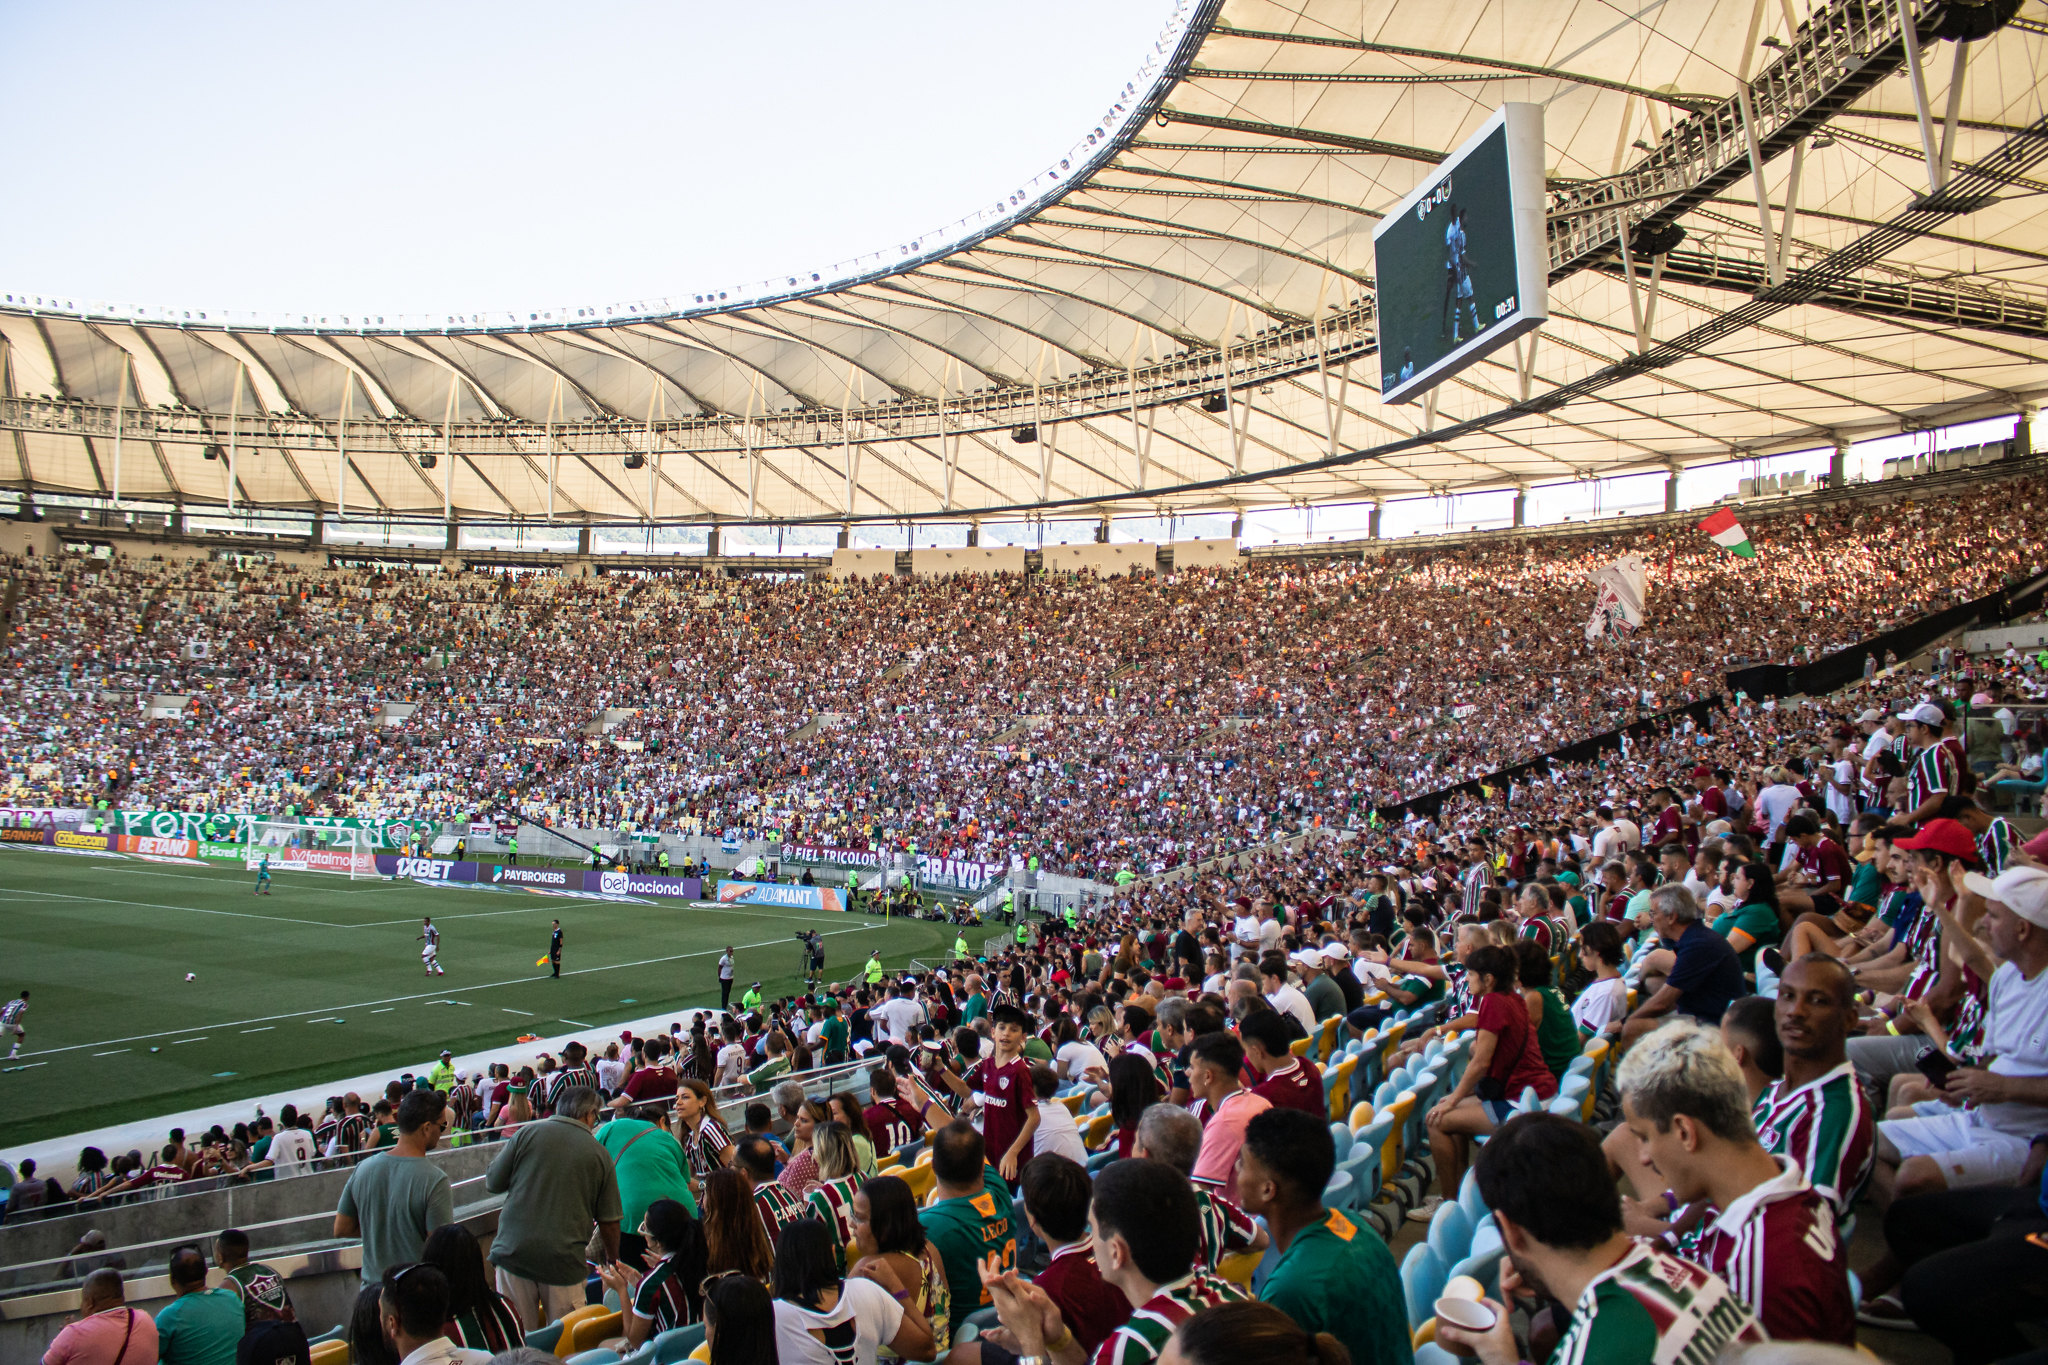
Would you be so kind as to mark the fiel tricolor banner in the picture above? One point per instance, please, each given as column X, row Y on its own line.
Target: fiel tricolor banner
column 1727, row 533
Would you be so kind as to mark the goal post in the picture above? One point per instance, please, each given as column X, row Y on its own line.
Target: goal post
column 296, row 846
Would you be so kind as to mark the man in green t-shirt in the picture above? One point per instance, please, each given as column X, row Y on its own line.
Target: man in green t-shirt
column 393, row 1200
column 1330, row 1274
column 649, row 1164
column 960, row 953
column 874, row 968
column 751, row 998
column 200, row 1326
column 969, row 1217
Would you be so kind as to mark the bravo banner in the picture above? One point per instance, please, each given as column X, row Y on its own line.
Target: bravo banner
column 780, row 894
column 964, row 873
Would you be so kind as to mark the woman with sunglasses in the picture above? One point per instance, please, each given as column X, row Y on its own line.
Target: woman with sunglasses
column 893, row 1251
column 668, row 1295
column 839, row 1163
column 700, row 1129
column 800, row 1173
column 739, row 1321
column 822, row 1318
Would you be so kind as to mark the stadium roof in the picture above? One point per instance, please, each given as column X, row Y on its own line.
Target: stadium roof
column 1053, row 351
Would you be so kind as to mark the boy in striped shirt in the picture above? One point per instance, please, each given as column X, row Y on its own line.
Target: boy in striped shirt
column 1559, row 1215
column 1143, row 1225
column 1750, row 1217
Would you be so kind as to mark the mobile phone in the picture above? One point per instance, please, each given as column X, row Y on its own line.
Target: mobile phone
column 1934, row 1064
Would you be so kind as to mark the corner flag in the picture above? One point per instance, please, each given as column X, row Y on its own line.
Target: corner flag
column 1727, row 533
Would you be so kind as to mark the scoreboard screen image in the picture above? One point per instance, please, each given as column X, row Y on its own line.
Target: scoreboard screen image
column 1460, row 266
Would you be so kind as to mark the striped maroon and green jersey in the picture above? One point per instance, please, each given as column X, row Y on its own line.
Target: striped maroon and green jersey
column 1995, row 845
column 832, row 1203
column 1779, row 1252
column 1933, row 773
column 1966, row 1028
column 489, row 1326
column 1143, row 1336
column 778, row 1207
column 1651, row 1308
column 1224, row 1227
column 663, row 1298
column 1826, row 1126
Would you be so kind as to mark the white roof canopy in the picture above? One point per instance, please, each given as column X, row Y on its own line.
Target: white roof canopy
column 1222, row 228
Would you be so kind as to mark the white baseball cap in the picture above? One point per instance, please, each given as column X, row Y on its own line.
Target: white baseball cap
column 2022, row 890
column 1927, row 713
column 1309, row 957
column 1336, row 950
column 1870, row 717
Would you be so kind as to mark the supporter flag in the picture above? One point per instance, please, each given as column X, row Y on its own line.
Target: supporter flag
column 1727, row 533
column 1618, row 604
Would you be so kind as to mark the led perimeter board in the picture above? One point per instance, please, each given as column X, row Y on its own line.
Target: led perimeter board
column 1461, row 265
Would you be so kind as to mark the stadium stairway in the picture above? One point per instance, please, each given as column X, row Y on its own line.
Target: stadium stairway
column 7, row 610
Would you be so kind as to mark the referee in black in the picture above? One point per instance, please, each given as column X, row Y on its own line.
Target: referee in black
column 555, row 949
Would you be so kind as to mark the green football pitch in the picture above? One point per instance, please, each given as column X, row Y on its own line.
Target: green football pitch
column 322, row 980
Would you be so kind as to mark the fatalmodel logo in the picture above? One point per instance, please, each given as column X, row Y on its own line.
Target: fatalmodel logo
column 613, row 883
column 422, row 869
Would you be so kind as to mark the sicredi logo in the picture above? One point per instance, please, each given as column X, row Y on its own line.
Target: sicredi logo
column 613, row 883
column 422, row 869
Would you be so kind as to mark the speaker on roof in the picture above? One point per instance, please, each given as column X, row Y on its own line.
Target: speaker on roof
column 1655, row 241
column 429, row 461
column 635, row 461
column 210, row 452
column 1215, row 402
column 1025, row 434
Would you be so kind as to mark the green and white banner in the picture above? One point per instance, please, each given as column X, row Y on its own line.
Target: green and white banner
column 233, row 827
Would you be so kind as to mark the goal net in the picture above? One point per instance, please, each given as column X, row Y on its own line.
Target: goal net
column 294, row 846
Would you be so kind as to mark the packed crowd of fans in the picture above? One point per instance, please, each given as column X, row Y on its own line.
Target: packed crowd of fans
column 1811, row 932
column 1097, row 724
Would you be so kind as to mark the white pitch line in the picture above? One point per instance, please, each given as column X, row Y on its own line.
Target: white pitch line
column 435, row 995
column 527, row 1013
column 112, row 1052
column 182, row 1041
column 188, row 909
column 575, row 1023
column 265, row 1029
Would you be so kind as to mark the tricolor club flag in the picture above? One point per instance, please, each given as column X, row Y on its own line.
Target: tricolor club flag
column 1727, row 533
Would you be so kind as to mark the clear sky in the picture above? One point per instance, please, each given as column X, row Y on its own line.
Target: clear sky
column 429, row 156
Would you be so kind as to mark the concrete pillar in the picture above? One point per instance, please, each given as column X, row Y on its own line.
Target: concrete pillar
column 973, row 534
column 1671, row 491
column 1372, row 523
column 1521, row 506
column 1237, row 527
column 454, row 534
column 1838, row 465
column 1102, row 531
column 583, row 540
column 711, row 544
column 2023, row 432
column 319, row 528
column 845, row 536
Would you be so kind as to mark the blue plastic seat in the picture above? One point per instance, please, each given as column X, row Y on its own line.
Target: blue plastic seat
column 1337, row 1194
column 1469, row 1198
column 676, row 1344
column 1340, row 1136
column 598, row 1356
column 1422, row 1284
column 1450, row 1233
column 544, row 1338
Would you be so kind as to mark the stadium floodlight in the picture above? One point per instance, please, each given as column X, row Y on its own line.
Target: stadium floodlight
column 1460, row 265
